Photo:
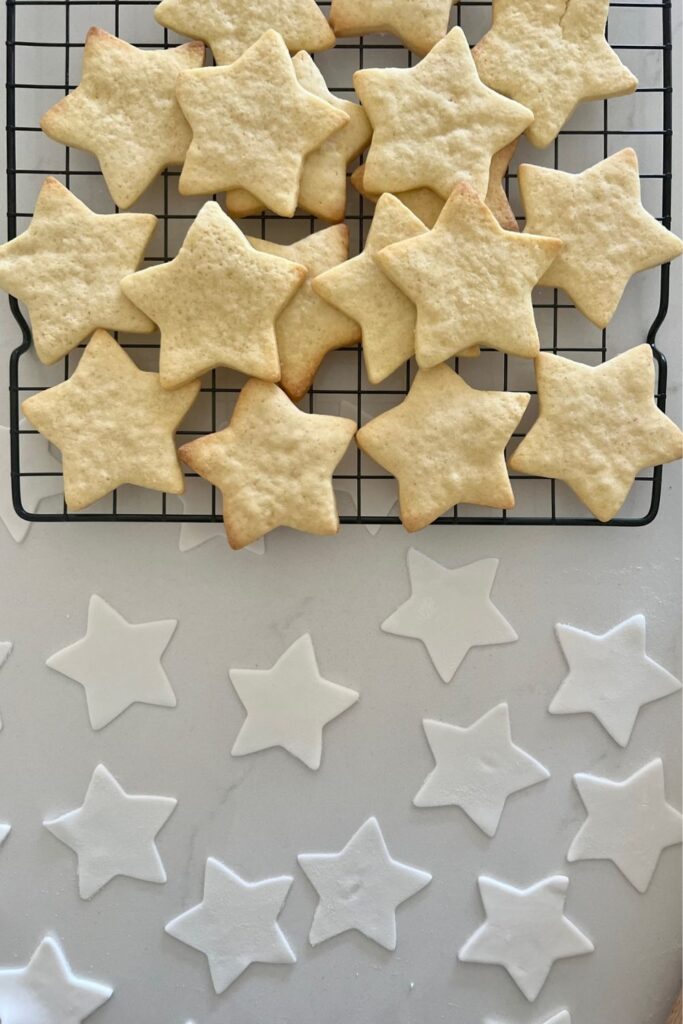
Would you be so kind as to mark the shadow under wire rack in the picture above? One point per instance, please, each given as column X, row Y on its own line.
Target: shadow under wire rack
column 44, row 53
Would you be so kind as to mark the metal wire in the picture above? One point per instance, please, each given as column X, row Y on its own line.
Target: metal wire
column 352, row 385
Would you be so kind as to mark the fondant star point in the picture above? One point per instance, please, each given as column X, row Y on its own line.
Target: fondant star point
column 470, row 280
column 598, row 426
column 267, row 159
column 607, row 234
column 125, row 111
column 273, row 465
column 289, row 705
column 229, row 27
column 131, row 444
column 360, row 888
column 550, row 56
column 610, row 676
column 477, row 768
column 445, row 444
column 113, row 833
column 450, row 611
column 435, row 124
column 419, row 24
column 235, row 925
column 46, row 991
column 118, row 663
column 67, row 267
column 525, row 931
column 216, row 303
column 629, row 822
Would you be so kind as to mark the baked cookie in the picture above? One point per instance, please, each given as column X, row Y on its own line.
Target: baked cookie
column 445, row 444
column 67, row 268
column 113, row 423
column 253, row 125
column 550, row 56
column 229, row 27
column 361, row 290
column 125, row 112
column 273, row 465
column 419, row 24
column 322, row 191
column 470, row 280
column 607, row 234
column 426, row 205
column 435, row 124
column 598, row 426
column 308, row 327
column 216, row 303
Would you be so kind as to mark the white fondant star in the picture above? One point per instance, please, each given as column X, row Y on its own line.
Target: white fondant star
column 235, row 924
column 450, row 611
column 33, row 488
column 118, row 663
column 113, row 833
column 559, row 1018
column 196, row 500
column 46, row 991
column 5, row 651
column 477, row 768
column 360, row 887
column 610, row 676
column 525, row 931
column 289, row 704
column 628, row 822
column 4, row 832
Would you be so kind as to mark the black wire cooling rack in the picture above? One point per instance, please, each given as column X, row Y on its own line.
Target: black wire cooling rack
column 47, row 34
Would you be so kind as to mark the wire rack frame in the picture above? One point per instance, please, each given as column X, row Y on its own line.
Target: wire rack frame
column 362, row 473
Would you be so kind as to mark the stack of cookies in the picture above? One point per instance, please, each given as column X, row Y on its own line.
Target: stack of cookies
column 444, row 270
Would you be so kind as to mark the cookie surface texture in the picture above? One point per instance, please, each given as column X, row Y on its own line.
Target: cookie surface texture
column 419, row 24
column 217, row 302
column 125, row 112
column 598, row 427
column 113, row 423
column 273, row 465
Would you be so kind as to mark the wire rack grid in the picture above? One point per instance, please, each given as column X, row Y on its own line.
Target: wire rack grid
column 49, row 34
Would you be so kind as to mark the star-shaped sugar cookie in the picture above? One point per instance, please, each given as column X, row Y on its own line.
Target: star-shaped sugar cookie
column 113, row 423
column 118, row 663
column 419, row 24
column 361, row 290
column 435, row 124
column 237, row 142
column 598, row 427
column 309, row 327
column 230, row 26
column 607, row 234
column 550, row 56
column 113, row 833
column 525, row 931
column 610, row 676
column 67, row 268
column 125, row 111
column 322, row 191
column 289, row 704
column 450, row 611
column 46, row 991
column 629, row 822
column 445, row 444
column 426, row 205
column 470, row 280
column 477, row 768
column 216, row 303
column 235, row 925
column 360, row 888
column 273, row 465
